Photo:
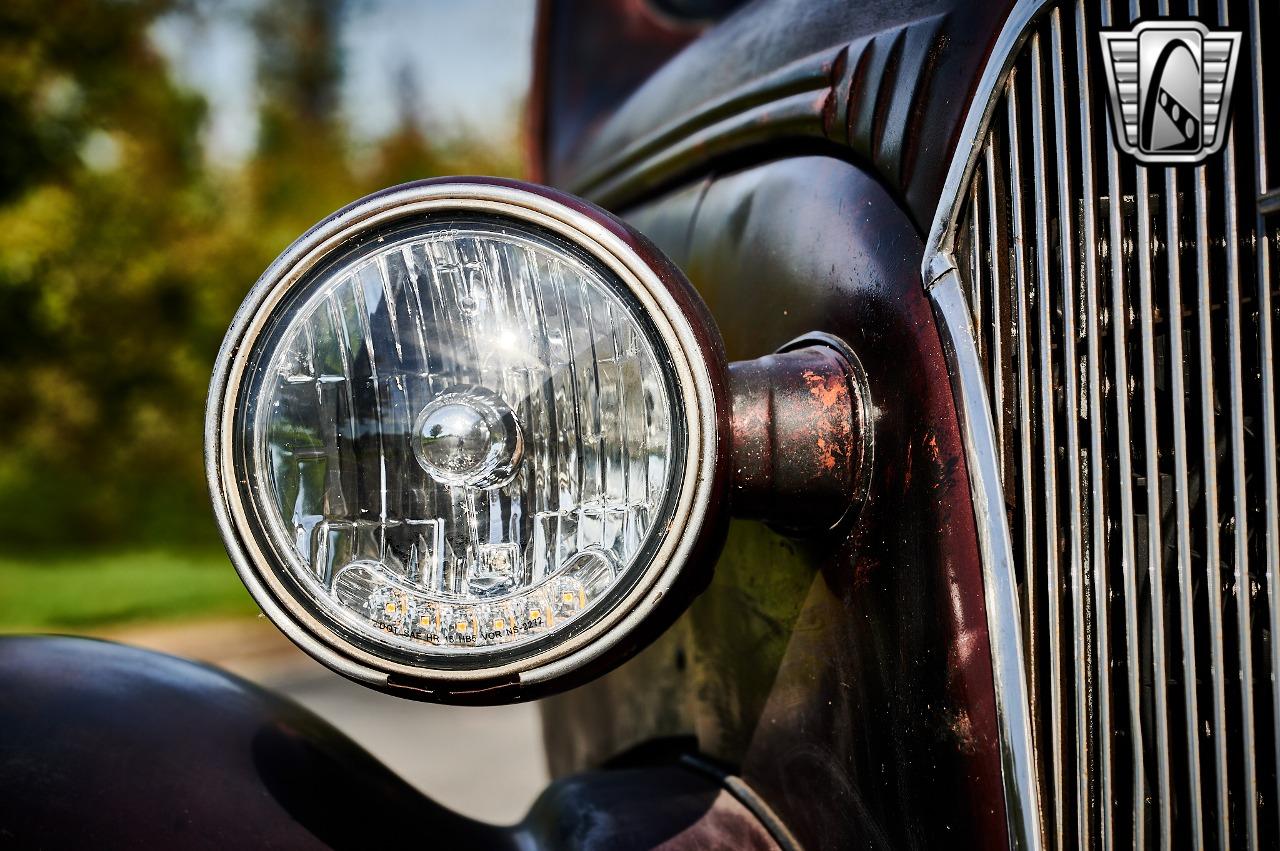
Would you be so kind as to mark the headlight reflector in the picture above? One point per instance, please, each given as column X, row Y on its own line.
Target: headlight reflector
column 389, row 460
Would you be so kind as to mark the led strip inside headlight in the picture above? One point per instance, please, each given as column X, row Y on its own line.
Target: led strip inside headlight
column 465, row 435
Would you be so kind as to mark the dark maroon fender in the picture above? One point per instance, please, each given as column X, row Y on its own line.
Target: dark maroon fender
column 106, row 746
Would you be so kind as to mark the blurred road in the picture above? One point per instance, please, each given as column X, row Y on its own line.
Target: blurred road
column 486, row 763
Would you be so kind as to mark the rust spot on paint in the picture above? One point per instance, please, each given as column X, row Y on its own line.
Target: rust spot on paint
column 829, row 390
column 831, row 394
column 961, row 728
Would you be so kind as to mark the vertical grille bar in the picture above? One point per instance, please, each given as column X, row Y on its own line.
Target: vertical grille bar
column 975, row 240
column 1144, row 249
column 1071, row 396
column 1093, row 414
column 1213, row 559
column 1266, row 369
column 1026, row 409
column 1052, row 583
column 1155, row 559
column 1186, row 609
column 1128, row 564
column 1239, row 494
column 997, row 316
column 1209, row 443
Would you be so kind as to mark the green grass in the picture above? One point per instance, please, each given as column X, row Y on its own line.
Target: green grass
column 90, row 591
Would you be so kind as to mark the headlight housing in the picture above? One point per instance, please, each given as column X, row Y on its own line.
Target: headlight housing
column 465, row 436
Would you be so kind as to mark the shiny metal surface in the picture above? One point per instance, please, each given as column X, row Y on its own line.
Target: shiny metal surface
column 1264, row 250
column 1021, row 791
column 1239, row 493
column 1041, row 212
column 1124, row 460
column 1124, row 350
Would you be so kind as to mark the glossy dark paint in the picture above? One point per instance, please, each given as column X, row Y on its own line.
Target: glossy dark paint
column 589, row 56
column 884, row 85
column 109, row 746
column 847, row 674
column 105, row 746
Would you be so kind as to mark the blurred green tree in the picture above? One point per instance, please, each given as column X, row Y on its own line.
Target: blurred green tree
column 102, row 344
column 300, row 171
column 123, row 256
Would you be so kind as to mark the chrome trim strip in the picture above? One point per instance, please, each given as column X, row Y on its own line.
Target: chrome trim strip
column 941, row 278
column 999, row 584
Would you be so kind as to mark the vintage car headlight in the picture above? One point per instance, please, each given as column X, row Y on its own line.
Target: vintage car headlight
column 465, row 435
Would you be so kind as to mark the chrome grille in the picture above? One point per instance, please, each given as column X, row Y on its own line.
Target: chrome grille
column 1124, row 320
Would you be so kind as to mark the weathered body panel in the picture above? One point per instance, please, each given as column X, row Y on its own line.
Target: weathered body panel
column 847, row 674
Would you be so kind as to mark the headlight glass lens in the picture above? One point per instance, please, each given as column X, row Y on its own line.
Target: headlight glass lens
column 458, row 436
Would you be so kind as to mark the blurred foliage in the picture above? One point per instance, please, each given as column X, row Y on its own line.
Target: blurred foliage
column 123, row 254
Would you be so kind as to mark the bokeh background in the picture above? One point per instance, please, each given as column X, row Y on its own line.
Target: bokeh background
column 155, row 156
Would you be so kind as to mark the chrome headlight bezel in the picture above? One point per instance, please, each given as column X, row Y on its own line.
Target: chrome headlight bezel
column 695, row 363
